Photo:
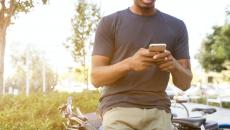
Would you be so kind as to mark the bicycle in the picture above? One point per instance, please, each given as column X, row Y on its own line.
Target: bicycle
column 195, row 123
column 90, row 121
column 77, row 120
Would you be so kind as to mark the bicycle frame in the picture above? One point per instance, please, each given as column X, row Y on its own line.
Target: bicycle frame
column 185, row 123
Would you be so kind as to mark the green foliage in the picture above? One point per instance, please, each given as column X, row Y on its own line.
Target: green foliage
column 215, row 51
column 84, row 25
column 214, row 54
column 18, row 6
column 203, row 100
column 26, row 5
column 226, row 104
column 23, row 6
column 41, row 111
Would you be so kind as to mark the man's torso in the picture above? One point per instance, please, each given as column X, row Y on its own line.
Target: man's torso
column 145, row 89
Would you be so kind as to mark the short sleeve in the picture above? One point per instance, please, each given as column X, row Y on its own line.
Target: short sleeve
column 181, row 48
column 104, row 38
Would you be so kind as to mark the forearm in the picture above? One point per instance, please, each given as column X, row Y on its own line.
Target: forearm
column 181, row 76
column 104, row 75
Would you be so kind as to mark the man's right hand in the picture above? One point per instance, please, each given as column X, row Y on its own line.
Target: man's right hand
column 141, row 60
column 103, row 73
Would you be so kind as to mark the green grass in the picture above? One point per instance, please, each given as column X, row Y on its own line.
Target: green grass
column 40, row 112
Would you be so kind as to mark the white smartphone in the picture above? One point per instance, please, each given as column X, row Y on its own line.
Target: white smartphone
column 157, row 47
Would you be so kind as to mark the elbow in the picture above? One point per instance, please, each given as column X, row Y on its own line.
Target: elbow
column 184, row 85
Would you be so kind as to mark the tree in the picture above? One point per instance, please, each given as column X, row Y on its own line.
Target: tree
column 9, row 9
column 214, row 54
column 84, row 25
column 35, row 69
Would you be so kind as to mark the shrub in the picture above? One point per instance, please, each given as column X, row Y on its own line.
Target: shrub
column 40, row 111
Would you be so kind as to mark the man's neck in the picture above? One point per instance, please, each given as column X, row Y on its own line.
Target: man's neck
column 143, row 11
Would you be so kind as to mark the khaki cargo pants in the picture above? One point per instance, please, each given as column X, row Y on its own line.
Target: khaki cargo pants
column 121, row 118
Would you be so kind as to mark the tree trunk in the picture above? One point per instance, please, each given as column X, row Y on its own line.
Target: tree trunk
column 5, row 20
column 2, row 53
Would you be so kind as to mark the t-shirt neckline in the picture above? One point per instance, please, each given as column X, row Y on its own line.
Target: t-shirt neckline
column 143, row 16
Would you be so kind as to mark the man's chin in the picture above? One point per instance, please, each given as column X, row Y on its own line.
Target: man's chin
column 148, row 2
column 147, row 6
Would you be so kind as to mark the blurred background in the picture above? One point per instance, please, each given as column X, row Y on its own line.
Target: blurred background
column 46, row 46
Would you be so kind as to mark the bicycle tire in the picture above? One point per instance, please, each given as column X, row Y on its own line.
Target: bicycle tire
column 211, row 125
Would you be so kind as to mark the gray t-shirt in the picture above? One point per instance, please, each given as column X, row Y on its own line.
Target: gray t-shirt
column 119, row 36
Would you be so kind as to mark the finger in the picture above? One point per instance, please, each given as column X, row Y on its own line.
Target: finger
column 165, row 65
column 168, row 67
column 162, row 55
column 147, row 59
column 165, row 59
column 168, row 58
column 159, row 60
column 147, row 53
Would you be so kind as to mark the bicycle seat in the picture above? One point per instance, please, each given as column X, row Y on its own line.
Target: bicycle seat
column 190, row 122
column 205, row 110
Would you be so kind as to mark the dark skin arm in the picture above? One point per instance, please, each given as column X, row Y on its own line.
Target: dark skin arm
column 179, row 69
column 103, row 73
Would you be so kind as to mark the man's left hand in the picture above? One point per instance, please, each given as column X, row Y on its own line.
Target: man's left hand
column 165, row 61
